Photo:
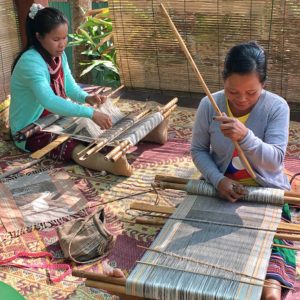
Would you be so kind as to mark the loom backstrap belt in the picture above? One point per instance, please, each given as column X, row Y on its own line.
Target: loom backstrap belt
column 48, row 266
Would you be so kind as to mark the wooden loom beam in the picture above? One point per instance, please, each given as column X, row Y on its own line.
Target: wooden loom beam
column 205, row 88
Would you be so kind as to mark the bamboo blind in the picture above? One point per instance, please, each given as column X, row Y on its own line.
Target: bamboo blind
column 150, row 56
column 9, row 44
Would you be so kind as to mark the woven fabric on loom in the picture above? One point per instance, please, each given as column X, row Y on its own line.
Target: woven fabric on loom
column 231, row 255
column 38, row 200
column 141, row 128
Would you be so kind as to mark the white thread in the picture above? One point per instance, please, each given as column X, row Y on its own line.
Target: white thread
column 91, row 127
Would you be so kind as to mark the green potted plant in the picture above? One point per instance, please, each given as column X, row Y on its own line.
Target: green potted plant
column 95, row 34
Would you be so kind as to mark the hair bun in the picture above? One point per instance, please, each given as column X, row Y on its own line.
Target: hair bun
column 34, row 9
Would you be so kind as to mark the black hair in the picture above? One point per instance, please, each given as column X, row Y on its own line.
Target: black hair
column 45, row 20
column 246, row 58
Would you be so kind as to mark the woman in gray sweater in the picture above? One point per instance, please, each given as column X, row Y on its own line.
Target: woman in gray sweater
column 258, row 121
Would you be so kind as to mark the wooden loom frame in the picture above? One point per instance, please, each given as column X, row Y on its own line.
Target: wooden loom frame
column 119, row 149
column 117, row 286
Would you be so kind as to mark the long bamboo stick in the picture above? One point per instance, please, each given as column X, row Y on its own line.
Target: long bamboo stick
column 115, row 289
column 205, row 88
column 168, row 105
column 97, row 276
column 285, row 231
column 168, row 112
column 116, row 150
column 120, row 153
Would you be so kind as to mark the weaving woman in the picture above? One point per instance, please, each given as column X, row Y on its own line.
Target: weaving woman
column 40, row 84
column 258, row 121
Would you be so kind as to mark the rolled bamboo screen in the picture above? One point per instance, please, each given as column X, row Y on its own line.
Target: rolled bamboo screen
column 9, row 44
column 150, row 57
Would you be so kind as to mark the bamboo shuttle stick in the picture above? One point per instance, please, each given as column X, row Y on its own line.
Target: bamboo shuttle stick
column 141, row 206
column 170, row 179
column 18, row 169
column 168, row 105
column 287, row 247
column 120, row 153
column 93, row 150
column 286, row 228
column 100, row 277
column 174, row 186
column 292, row 194
column 288, row 236
column 83, row 151
column 290, row 230
column 110, row 287
column 168, row 112
column 147, row 221
column 205, row 88
column 289, row 227
column 115, row 91
column 116, row 150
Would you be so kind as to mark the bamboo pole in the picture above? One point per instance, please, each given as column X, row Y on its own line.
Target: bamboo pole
column 110, row 287
column 205, row 88
column 168, row 105
column 286, row 231
column 116, row 150
column 120, row 153
column 100, row 277
column 168, row 112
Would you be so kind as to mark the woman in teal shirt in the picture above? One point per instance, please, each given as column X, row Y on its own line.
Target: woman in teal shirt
column 41, row 82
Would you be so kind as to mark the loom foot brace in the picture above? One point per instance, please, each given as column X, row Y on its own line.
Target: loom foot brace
column 97, row 162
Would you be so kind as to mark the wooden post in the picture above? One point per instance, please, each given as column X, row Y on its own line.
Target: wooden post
column 22, row 11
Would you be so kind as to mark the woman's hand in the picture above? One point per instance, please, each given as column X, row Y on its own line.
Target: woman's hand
column 95, row 100
column 102, row 120
column 230, row 190
column 232, row 128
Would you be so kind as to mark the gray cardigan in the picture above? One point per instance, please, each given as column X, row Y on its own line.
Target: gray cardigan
column 264, row 145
